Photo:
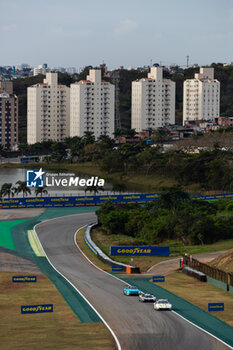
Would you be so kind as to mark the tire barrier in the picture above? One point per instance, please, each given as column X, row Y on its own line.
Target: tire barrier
column 194, row 273
column 103, row 257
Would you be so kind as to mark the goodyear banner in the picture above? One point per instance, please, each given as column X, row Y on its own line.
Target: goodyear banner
column 36, row 309
column 117, row 268
column 139, row 251
column 85, row 201
column 215, row 306
column 20, row 279
column 158, row 278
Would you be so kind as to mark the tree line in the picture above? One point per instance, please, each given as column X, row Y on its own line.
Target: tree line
column 211, row 169
column 174, row 216
column 10, row 190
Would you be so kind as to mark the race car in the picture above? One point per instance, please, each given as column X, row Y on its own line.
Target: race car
column 146, row 297
column 131, row 290
column 162, row 304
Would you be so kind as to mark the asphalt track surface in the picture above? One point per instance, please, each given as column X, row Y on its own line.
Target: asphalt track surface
column 136, row 325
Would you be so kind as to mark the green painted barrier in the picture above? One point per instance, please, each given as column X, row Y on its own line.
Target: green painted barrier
column 79, row 306
column 6, row 240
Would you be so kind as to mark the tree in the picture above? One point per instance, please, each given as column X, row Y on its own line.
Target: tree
column 131, row 132
column 160, row 136
column 172, row 197
column 118, row 133
column 7, row 190
column 22, row 187
column 59, row 151
column 119, row 187
column 1, row 150
column 41, row 191
column 88, row 137
column 93, row 188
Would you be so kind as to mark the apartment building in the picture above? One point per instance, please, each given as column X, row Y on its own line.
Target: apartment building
column 201, row 99
column 8, row 116
column 92, row 104
column 153, row 101
column 48, row 110
column 41, row 69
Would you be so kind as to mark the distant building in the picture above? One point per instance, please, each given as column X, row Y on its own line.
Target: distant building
column 22, row 66
column 48, row 110
column 92, row 106
column 225, row 121
column 8, row 115
column 201, row 99
column 71, row 70
column 153, row 101
column 41, row 69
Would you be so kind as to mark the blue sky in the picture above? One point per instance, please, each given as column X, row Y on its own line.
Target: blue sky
column 118, row 32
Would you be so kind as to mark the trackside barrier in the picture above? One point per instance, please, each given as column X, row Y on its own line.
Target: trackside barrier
column 98, row 252
column 210, row 271
column 194, row 273
column 86, row 201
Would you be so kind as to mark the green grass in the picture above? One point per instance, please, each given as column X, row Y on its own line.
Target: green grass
column 104, row 242
column 135, row 181
column 178, row 248
column 58, row 330
column 199, row 294
column 80, row 239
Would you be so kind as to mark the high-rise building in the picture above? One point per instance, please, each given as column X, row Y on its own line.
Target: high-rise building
column 153, row 101
column 201, row 98
column 48, row 110
column 92, row 106
column 8, row 115
column 41, row 69
column 71, row 70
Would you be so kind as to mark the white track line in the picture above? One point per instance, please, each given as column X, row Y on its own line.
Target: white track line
column 230, row 347
column 117, row 341
column 124, row 283
column 106, row 324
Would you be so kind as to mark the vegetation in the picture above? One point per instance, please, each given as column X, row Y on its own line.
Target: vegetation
column 22, row 187
column 211, row 169
column 7, row 190
column 173, row 217
column 60, row 329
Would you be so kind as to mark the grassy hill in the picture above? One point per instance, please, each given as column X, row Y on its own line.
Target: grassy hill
column 224, row 262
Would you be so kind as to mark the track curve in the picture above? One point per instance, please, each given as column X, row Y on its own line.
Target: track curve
column 136, row 325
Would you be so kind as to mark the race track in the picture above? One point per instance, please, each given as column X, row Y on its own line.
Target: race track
column 136, row 325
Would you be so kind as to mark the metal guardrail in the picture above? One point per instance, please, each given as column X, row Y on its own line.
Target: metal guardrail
column 98, row 252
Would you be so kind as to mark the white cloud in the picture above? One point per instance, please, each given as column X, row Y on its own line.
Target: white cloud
column 224, row 36
column 60, row 31
column 126, row 26
column 8, row 28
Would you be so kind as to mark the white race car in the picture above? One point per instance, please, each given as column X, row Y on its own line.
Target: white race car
column 147, row 298
column 162, row 304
